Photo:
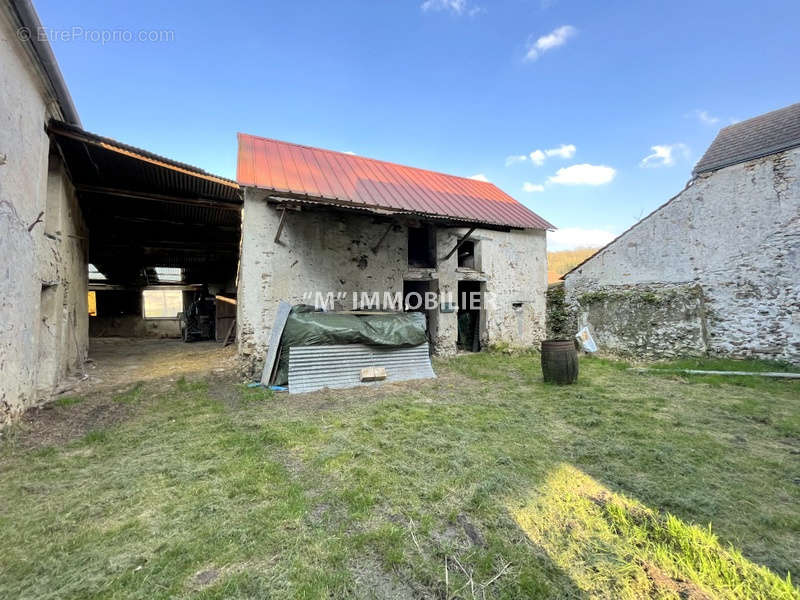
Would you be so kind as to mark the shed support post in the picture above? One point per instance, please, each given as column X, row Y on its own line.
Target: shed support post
column 280, row 226
column 383, row 237
column 458, row 245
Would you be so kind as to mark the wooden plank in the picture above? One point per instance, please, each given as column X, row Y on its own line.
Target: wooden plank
column 460, row 242
column 225, row 299
column 280, row 226
column 281, row 315
column 227, row 339
column 383, row 237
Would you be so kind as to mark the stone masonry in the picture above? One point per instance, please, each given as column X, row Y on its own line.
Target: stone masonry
column 715, row 271
column 323, row 250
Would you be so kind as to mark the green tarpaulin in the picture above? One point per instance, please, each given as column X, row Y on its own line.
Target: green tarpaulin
column 308, row 327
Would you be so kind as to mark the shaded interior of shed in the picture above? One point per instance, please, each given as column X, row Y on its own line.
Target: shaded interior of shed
column 161, row 233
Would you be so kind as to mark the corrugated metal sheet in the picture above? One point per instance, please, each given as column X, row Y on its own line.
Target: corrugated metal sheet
column 313, row 368
column 145, row 170
column 348, row 180
column 144, row 210
column 281, row 316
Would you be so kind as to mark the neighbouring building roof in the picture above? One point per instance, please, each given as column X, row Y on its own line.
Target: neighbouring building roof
column 345, row 180
column 760, row 136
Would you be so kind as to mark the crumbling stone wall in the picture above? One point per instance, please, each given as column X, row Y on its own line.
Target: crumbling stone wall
column 726, row 249
column 325, row 251
column 562, row 323
column 647, row 321
column 43, row 313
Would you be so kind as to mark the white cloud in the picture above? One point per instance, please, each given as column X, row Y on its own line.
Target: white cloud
column 538, row 157
column 532, row 187
column 563, row 151
column 514, row 159
column 458, row 7
column 554, row 39
column 583, row 174
column 571, row 238
column 480, row 177
column 704, row 117
column 349, row 152
column 664, row 155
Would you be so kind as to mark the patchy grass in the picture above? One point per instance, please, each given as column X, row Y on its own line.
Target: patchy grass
column 68, row 400
column 726, row 364
column 482, row 482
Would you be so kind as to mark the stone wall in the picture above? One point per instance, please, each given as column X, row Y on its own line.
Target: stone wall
column 134, row 326
column 323, row 250
column 42, row 243
column 646, row 321
column 727, row 247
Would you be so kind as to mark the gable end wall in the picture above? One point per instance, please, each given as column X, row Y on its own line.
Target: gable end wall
column 719, row 265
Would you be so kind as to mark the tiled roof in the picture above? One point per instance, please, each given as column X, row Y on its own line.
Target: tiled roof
column 356, row 182
column 760, row 136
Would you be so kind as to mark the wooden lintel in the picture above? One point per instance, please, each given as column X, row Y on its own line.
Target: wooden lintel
column 280, row 226
column 460, row 242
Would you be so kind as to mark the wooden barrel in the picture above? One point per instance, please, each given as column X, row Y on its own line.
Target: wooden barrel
column 559, row 361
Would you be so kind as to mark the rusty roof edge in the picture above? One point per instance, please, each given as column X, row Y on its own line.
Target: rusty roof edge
column 283, row 195
column 490, row 191
column 68, row 130
column 377, row 160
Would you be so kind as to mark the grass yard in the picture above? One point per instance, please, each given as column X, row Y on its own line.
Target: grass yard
column 482, row 483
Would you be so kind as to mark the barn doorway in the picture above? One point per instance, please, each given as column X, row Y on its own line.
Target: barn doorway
column 417, row 297
column 163, row 242
column 470, row 310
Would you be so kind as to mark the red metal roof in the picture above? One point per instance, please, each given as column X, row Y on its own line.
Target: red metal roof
column 348, row 180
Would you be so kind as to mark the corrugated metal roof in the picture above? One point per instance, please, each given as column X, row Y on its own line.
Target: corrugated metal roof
column 348, row 180
column 144, row 210
column 313, row 368
column 760, row 136
column 143, row 166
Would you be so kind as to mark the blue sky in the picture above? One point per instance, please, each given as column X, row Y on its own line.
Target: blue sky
column 451, row 85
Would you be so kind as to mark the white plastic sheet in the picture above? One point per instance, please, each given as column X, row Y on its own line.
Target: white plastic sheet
column 586, row 340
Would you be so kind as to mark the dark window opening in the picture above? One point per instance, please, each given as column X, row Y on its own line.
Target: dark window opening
column 469, row 316
column 466, row 255
column 422, row 247
column 418, row 296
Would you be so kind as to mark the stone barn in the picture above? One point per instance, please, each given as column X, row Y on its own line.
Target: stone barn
column 356, row 231
column 714, row 271
column 43, row 245
column 97, row 238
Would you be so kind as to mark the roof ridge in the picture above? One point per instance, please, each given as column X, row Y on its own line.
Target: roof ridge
column 761, row 116
column 756, row 137
column 378, row 160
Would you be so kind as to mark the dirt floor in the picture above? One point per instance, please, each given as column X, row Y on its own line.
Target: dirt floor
column 117, row 367
column 117, row 363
